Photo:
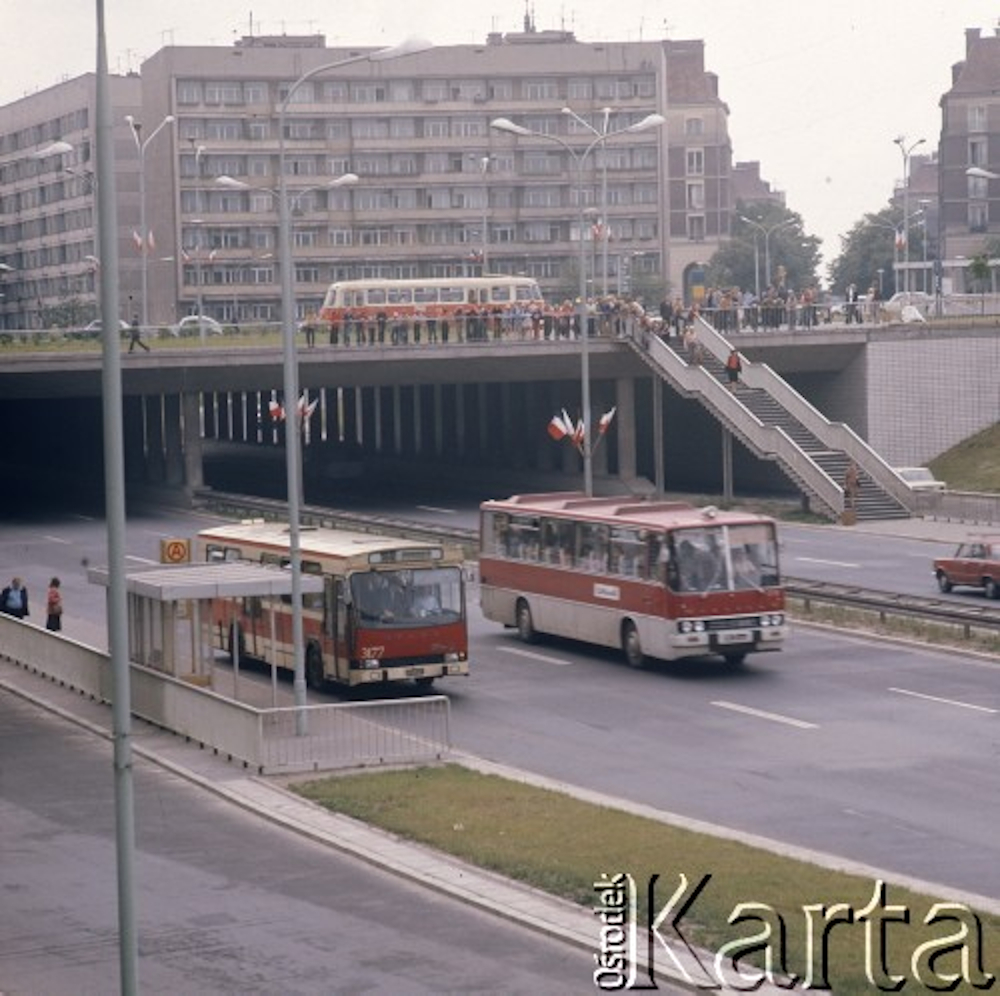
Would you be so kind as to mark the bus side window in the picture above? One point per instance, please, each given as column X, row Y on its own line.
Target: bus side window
column 253, row 607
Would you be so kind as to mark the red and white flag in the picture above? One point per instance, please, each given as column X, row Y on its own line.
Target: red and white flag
column 606, row 419
column 276, row 412
column 150, row 241
column 137, row 239
column 558, row 428
column 306, row 407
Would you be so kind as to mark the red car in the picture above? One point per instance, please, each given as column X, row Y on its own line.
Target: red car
column 976, row 563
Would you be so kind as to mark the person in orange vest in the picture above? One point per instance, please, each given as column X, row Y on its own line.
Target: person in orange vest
column 734, row 367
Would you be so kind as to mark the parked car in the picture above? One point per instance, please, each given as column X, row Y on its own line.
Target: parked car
column 909, row 306
column 920, row 479
column 192, row 325
column 975, row 563
column 93, row 329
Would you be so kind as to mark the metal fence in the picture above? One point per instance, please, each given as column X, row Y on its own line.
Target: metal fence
column 270, row 740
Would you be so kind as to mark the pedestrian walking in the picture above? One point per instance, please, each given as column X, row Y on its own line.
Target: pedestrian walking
column 14, row 599
column 734, row 368
column 53, row 607
column 135, row 335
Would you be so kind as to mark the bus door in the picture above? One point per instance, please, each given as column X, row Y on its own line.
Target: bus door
column 342, row 632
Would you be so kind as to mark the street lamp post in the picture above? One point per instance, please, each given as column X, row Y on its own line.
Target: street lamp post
column 766, row 231
column 484, row 166
column 293, row 453
column 141, row 145
column 601, row 137
column 906, row 151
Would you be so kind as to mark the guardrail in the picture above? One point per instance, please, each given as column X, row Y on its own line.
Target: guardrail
column 887, row 603
column 266, row 740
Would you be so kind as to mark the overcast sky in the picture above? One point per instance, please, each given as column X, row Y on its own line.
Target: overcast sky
column 816, row 91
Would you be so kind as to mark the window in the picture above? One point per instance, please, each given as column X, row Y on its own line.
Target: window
column 404, row 165
column 257, row 130
column 261, row 203
column 978, row 186
column 368, row 93
column 223, row 131
column 435, row 90
column 977, row 117
column 188, row 92
column 403, row 127
column 592, row 547
column 977, row 152
column 300, row 130
column 337, row 128
column 304, row 238
column 695, row 228
column 468, row 128
column 255, row 93
column 500, row 90
column 695, row 162
column 541, row 90
column 542, row 162
column 694, row 126
column 541, row 197
column 340, row 236
column 335, row 92
column 696, row 196
column 306, row 274
column 579, row 90
column 436, row 128
column 401, row 91
column 978, row 218
column 370, row 128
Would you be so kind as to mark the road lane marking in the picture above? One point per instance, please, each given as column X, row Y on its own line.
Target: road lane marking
column 536, row 657
column 432, row 508
column 936, row 698
column 58, row 539
column 772, row 716
column 828, row 563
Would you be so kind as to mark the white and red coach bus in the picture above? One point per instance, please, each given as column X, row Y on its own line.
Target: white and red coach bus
column 428, row 298
column 391, row 609
column 661, row 579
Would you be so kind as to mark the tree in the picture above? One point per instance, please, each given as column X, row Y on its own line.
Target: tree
column 979, row 273
column 776, row 233
column 870, row 248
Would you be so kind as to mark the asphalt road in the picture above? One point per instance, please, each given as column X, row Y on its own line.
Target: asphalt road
column 881, row 753
column 225, row 902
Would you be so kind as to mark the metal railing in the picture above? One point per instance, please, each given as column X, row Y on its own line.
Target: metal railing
column 394, row 731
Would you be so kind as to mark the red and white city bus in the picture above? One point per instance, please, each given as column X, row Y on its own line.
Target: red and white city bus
column 661, row 579
column 391, row 609
column 430, row 298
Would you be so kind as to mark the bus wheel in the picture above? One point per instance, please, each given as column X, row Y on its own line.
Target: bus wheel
column 631, row 646
column 525, row 624
column 314, row 669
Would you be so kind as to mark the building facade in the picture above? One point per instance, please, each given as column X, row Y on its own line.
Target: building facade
column 440, row 192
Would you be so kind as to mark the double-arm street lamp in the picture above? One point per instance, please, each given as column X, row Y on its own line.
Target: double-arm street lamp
column 293, row 446
column 141, row 144
column 601, row 136
column 906, row 151
column 766, row 231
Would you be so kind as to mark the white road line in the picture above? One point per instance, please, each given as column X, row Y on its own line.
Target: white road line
column 829, row 563
column 57, row 539
column 536, row 657
column 140, row 560
column 935, row 698
column 432, row 508
column 773, row 716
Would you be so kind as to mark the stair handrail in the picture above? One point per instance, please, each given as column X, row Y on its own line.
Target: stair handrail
column 836, row 435
column 770, row 441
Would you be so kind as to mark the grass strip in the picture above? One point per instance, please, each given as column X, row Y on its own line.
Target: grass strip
column 562, row 845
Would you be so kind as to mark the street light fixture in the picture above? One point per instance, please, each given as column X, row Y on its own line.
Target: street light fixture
column 766, row 231
column 906, row 151
column 484, row 167
column 601, row 137
column 293, row 451
column 141, row 145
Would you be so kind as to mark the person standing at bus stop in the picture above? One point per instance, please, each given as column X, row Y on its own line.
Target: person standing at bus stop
column 53, row 607
column 14, row 599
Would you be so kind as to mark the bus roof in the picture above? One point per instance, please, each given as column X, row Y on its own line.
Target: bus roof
column 316, row 540
column 619, row 510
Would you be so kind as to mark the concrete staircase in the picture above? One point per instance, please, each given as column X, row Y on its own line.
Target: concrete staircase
column 777, row 423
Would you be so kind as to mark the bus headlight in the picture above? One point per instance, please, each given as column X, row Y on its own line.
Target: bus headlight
column 774, row 619
column 692, row 626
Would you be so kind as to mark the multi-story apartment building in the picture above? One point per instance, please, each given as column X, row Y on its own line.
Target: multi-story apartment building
column 440, row 191
column 969, row 154
column 48, row 246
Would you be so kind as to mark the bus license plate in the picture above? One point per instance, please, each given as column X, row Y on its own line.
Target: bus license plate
column 736, row 636
column 414, row 672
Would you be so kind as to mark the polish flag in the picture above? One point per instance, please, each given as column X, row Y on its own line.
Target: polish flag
column 306, row 407
column 150, row 241
column 137, row 239
column 606, row 418
column 579, row 432
column 558, row 429
column 276, row 412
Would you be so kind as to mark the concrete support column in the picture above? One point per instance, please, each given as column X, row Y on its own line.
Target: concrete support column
column 135, row 438
column 418, row 435
column 397, row 420
column 173, row 456
column 727, row 465
column 658, row 436
column 155, row 470
column 460, row 420
column 377, row 427
column 194, row 467
column 438, row 420
column 482, row 401
column 624, row 428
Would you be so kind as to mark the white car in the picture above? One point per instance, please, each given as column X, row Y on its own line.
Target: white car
column 193, row 324
column 909, row 306
column 920, row 479
column 96, row 327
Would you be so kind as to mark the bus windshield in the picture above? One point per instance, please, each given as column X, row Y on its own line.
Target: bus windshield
column 723, row 558
column 421, row 597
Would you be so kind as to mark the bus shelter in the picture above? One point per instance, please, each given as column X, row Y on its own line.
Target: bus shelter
column 170, row 616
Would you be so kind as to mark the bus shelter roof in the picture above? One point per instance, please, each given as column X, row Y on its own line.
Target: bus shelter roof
column 232, row 579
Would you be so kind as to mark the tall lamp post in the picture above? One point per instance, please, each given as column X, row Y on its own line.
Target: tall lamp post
column 906, row 151
column 484, row 166
column 293, row 449
column 141, row 145
column 766, row 231
column 601, row 137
